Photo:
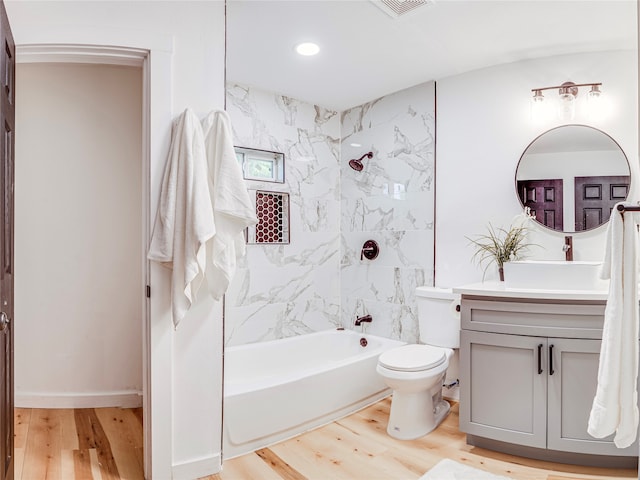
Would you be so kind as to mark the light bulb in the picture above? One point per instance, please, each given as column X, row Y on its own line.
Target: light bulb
column 595, row 105
column 567, row 107
column 538, row 106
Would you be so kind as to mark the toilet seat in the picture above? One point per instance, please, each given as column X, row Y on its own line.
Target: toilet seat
column 412, row 358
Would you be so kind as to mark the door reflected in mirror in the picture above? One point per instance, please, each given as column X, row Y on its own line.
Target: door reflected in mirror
column 571, row 177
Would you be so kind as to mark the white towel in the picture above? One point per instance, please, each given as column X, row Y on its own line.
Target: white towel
column 232, row 208
column 184, row 222
column 615, row 407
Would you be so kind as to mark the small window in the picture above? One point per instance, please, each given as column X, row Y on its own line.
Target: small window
column 261, row 165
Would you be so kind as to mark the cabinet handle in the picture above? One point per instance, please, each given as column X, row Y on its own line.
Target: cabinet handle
column 540, row 359
column 550, row 359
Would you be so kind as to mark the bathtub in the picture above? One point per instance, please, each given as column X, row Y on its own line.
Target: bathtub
column 278, row 389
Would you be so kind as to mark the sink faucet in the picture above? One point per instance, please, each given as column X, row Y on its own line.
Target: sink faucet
column 567, row 248
column 361, row 320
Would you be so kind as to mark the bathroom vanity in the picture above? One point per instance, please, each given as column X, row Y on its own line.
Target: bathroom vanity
column 528, row 373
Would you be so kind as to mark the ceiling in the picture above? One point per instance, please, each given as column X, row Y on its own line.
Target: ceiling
column 366, row 54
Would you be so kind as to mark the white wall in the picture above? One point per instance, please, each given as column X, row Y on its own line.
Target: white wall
column 484, row 126
column 186, row 69
column 78, row 339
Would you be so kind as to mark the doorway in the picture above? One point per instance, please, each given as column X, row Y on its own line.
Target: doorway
column 80, row 231
column 78, row 235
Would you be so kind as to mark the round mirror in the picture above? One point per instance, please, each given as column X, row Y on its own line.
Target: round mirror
column 571, row 177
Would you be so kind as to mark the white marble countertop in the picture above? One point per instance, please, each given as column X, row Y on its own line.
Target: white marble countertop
column 498, row 289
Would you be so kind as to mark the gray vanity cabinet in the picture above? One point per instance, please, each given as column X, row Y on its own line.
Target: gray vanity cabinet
column 571, row 389
column 528, row 375
column 502, row 396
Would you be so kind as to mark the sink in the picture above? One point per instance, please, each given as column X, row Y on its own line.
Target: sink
column 554, row 275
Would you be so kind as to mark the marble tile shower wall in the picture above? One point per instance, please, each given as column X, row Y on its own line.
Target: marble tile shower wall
column 390, row 201
column 285, row 290
column 318, row 281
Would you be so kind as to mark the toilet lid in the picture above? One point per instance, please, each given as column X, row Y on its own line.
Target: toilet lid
column 412, row 358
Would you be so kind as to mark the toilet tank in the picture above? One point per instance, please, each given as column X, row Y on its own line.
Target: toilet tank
column 438, row 319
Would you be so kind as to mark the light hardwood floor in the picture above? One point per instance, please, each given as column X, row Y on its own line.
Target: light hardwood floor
column 80, row 444
column 106, row 444
column 358, row 448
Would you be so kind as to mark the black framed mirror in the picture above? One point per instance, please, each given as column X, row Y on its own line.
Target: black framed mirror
column 571, row 176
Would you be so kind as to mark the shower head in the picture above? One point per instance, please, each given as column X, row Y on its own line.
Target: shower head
column 356, row 163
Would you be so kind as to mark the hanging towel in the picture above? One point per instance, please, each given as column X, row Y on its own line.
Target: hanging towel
column 233, row 210
column 184, row 221
column 614, row 407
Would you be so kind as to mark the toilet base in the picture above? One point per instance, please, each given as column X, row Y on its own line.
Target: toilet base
column 413, row 414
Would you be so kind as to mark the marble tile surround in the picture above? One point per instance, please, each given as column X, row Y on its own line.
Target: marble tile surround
column 390, row 201
column 318, row 281
column 285, row 290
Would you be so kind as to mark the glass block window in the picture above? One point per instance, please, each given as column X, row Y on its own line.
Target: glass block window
column 261, row 165
column 272, row 210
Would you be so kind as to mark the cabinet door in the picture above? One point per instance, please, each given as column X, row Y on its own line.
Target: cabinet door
column 572, row 385
column 503, row 387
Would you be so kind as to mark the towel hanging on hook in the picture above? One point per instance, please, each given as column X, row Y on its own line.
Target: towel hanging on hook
column 614, row 408
column 203, row 210
column 184, row 222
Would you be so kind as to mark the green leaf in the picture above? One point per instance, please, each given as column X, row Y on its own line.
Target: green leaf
column 499, row 246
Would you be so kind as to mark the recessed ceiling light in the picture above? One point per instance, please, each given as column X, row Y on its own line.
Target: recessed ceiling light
column 307, row 48
column 356, row 145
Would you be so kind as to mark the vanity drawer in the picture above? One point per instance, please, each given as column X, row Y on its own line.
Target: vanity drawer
column 560, row 318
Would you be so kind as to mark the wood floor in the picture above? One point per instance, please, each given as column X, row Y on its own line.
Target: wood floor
column 358, row 448
column 80, row 444
column 106, row 444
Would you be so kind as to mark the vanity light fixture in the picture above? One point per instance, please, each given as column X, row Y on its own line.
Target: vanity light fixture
column 307, row 49
column 566, row 104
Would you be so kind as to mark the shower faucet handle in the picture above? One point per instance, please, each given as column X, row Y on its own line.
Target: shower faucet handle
column 370, row 250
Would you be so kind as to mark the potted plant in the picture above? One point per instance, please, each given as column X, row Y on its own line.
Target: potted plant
column 499, row 246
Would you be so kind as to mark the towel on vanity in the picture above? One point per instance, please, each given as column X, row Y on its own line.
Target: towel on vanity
column 614, row 407
column 184, row 221
column 232, row 208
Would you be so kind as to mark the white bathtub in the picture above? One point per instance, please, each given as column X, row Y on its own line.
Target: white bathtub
column 278, row 389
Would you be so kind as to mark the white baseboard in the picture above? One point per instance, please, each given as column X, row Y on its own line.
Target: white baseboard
column 123, row 399
column 202, row 467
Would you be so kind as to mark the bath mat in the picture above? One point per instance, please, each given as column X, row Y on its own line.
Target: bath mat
column 449, row 470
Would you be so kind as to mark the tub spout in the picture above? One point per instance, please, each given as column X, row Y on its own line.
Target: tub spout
column 361, row 320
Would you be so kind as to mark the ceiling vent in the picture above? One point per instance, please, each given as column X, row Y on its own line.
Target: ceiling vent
column 398, row 8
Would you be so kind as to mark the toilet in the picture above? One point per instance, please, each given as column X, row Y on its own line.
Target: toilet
column 416, row 372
